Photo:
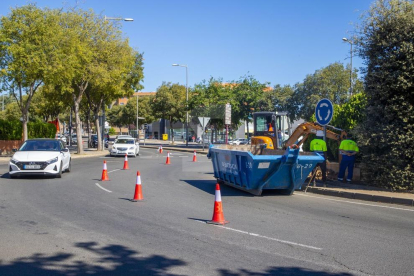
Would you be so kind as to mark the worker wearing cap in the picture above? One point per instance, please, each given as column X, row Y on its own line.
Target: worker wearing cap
column 319, row 145
column 348, row 149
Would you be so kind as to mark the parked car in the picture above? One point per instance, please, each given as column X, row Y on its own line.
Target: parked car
column 124, row 146
column 40, row 156
column 74, row 139
column 240, row 141
column 61, row 137
column 94, row 141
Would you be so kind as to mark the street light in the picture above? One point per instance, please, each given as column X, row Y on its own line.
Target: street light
column 186, row 91
column 350, row 74
column 103, row 108
column 118, row 18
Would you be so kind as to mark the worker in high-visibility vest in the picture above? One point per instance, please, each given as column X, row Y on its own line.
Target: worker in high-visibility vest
column 319, row 145
column 348, row 149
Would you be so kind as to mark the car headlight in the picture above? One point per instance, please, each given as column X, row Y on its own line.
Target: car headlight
column 51, row 161
column 13, row 161
column 131, row 148
column 113, row 147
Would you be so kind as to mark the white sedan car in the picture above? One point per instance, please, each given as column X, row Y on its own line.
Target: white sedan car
column 40, row 157
column 124, row 146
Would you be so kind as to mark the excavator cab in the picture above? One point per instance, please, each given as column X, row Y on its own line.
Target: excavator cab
column 269, row 129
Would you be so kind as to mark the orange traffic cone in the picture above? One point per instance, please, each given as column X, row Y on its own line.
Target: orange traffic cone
column 168, row 159
column 218, row 216
column 138, row 189
column 104, row 173
column 126, row 167
column 161, row 149
column 195, row 156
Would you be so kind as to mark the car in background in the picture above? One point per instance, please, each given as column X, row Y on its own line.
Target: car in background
column 123, row 146
column 123, row 136
column 40, row 157
column 240, row 141
column 94, row 141
column 61, row 137
column 74, row 139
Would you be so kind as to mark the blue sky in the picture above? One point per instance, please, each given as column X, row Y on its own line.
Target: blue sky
column 275, row 41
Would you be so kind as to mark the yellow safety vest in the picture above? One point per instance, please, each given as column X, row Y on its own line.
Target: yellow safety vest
column 349, row 145
column 318, row 145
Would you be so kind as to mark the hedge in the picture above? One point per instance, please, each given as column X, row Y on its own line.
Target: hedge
column 13, row 130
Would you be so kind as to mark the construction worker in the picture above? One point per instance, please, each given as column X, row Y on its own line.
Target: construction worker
column 319, row 145
column 348, row 149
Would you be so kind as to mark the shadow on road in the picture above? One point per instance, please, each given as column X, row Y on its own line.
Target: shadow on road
column 115, row 260
column 282, row 271
column 209, row 186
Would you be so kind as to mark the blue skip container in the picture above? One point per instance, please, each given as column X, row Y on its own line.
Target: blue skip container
column 273, row 169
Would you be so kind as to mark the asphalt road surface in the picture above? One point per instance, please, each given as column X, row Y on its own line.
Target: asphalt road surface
column 79, row 225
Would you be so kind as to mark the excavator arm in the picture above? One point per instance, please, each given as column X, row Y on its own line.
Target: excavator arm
column 307, row 128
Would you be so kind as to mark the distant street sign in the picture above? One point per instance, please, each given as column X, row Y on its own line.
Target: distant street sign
column 324, row 111
column 227, row 115
column 204, row 121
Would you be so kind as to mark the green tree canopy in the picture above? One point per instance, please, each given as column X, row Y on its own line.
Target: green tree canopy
column 28, row 53
column 331, row 82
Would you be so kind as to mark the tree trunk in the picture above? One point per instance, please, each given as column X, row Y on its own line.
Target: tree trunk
column 248, row 132
column 98, row 130
column 78, row 127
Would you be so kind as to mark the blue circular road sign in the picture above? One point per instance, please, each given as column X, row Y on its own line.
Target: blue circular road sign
column 324, row 111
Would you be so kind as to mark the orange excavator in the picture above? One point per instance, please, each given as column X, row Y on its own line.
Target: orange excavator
column 271, row 127
column 307, row 128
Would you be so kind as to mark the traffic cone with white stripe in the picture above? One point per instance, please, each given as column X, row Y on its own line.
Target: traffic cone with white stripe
column 161, row 149
column 138, row 190
column 218, row 216
column 126, row 167
column 195, row 156
column 168, row 159
column 105, row 172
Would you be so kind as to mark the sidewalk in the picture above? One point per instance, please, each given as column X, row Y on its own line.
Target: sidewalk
column 334, row 188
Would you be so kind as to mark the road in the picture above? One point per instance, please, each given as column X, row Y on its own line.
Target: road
column 78, row 225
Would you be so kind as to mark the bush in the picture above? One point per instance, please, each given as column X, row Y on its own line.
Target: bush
column 10, row 130
column 40, row 130
column 13, row 130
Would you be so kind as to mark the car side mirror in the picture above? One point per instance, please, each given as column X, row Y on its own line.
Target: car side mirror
column 14, row 150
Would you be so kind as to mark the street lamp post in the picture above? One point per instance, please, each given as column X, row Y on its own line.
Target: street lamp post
column 103, row 107
column 186, row 91
column 350, row 74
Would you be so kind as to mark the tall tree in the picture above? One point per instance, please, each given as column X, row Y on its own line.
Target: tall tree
column 247, row 95
column 170, row 103
column 387, row 137
column 331, row 82
column 91, row 42
column 209, row 99
column 28, row 53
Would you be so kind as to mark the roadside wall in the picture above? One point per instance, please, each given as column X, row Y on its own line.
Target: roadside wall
column 6, row 146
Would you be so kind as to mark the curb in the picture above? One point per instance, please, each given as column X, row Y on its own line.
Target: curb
column 365, row 197
column 175, row 149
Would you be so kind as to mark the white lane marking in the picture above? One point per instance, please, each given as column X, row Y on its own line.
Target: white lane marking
column 264, row 237
column 359, row 203
column 103, row 188
column 114, row 170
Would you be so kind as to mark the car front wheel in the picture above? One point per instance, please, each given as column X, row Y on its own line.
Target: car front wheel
column 68, row 169
column 59, row 175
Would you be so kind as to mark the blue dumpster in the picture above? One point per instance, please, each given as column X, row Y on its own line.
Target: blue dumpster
column 273, row 169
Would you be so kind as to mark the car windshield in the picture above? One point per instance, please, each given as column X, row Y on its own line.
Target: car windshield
column 38, row 145
column 125, row 141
